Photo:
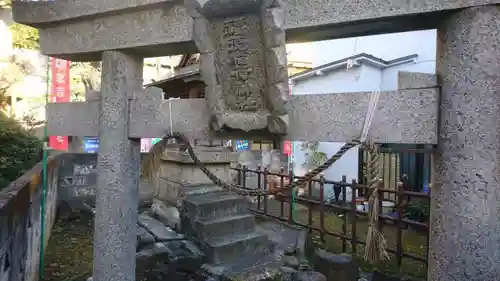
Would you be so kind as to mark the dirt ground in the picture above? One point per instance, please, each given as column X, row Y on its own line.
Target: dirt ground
column 69, row 253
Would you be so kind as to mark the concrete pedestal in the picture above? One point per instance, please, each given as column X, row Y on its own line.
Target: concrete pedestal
column 465, row 210
column 179, row 176
column 118, row 166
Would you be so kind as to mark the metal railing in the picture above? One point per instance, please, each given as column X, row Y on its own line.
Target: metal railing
column 342, row 221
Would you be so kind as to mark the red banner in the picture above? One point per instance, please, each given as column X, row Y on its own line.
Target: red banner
column 287, row 145
column 59, row 92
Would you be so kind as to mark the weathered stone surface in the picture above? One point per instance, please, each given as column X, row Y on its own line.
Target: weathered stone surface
column 118, row 166
column 284, row 236
column 134, row 25
column 167, row 214
column 238, row 66
column 173, row 192
column 290, row 274
column 336, row 267
column 169, row 259
column 260, row 268
column 291, row 261
column 464, row 241
column 205, row 154
column 287, row 273
column 42, row 12
column 74, row 118
column 158, row 230
column 143, row 236
column 391, row 123
column 311, row 276
column 412, row 80
column 164, row 26
column 379, row 276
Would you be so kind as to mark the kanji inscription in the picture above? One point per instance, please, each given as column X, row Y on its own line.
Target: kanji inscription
column 243, row 64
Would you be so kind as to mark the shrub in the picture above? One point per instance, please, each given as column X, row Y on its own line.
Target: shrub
column 19, row 150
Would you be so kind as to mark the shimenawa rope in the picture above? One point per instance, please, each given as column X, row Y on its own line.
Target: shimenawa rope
column 375, row 247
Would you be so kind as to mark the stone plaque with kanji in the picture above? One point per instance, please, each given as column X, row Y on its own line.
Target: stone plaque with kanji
column 243, row 63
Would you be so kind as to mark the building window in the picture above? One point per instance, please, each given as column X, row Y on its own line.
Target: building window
column 262, row 145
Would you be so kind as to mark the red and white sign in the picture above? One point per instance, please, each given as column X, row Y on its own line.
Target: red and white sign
column 287, row 145
column 59, row 92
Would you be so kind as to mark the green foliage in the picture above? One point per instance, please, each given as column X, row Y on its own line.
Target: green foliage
column 5, row 4
column 24, row 37
column 314, row 157
column 417, row 210
column 12, row 71
column 19, row 151
column 85, row 76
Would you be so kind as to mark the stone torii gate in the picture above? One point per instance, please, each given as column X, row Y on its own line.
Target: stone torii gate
column 465, row 240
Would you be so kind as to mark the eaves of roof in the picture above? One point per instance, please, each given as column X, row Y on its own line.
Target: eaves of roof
column 352, row 61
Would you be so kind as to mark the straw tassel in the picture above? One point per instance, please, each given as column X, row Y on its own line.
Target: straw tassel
column 152, row 161
column 375, row 249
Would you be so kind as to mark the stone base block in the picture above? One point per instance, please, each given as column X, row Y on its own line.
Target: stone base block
column 336, row 267
column 173, row 192
column 206, row 155
column 191, row 174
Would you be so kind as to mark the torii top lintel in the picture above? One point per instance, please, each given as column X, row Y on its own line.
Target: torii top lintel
column 164, row 27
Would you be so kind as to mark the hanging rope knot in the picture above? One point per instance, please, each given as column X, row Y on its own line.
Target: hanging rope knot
column 375, row 249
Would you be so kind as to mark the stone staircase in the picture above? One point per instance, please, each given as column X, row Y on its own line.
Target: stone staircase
column 224, row 228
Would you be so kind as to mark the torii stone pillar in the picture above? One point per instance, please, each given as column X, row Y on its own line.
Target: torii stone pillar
column 118, row 167
column 465, row 225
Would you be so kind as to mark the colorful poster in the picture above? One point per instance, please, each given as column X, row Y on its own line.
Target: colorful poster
column 90, row 145
column 242, row 145
column 59, row 92
column 146, row 144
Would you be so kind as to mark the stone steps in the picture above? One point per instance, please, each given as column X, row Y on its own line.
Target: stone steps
column 220, row 221
column 214, row 205
column 229, row 248
column 218, row 227
column 201, row 189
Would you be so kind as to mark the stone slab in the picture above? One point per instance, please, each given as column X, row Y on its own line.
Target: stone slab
column 192, row 175
column 40, row 12
column 220, row 204
column 73, row 119
column 336, row 267
column 408, row 116
column 172, row 192
column 218, row 155
column 243, row 64
column 413, row 80
column 158, row 230
column 322, row 117
column 149, row 25
column 229, row 248
column 225, row 226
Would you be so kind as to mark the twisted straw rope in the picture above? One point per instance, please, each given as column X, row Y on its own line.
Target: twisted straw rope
column 375, row 249
column 152, row 161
